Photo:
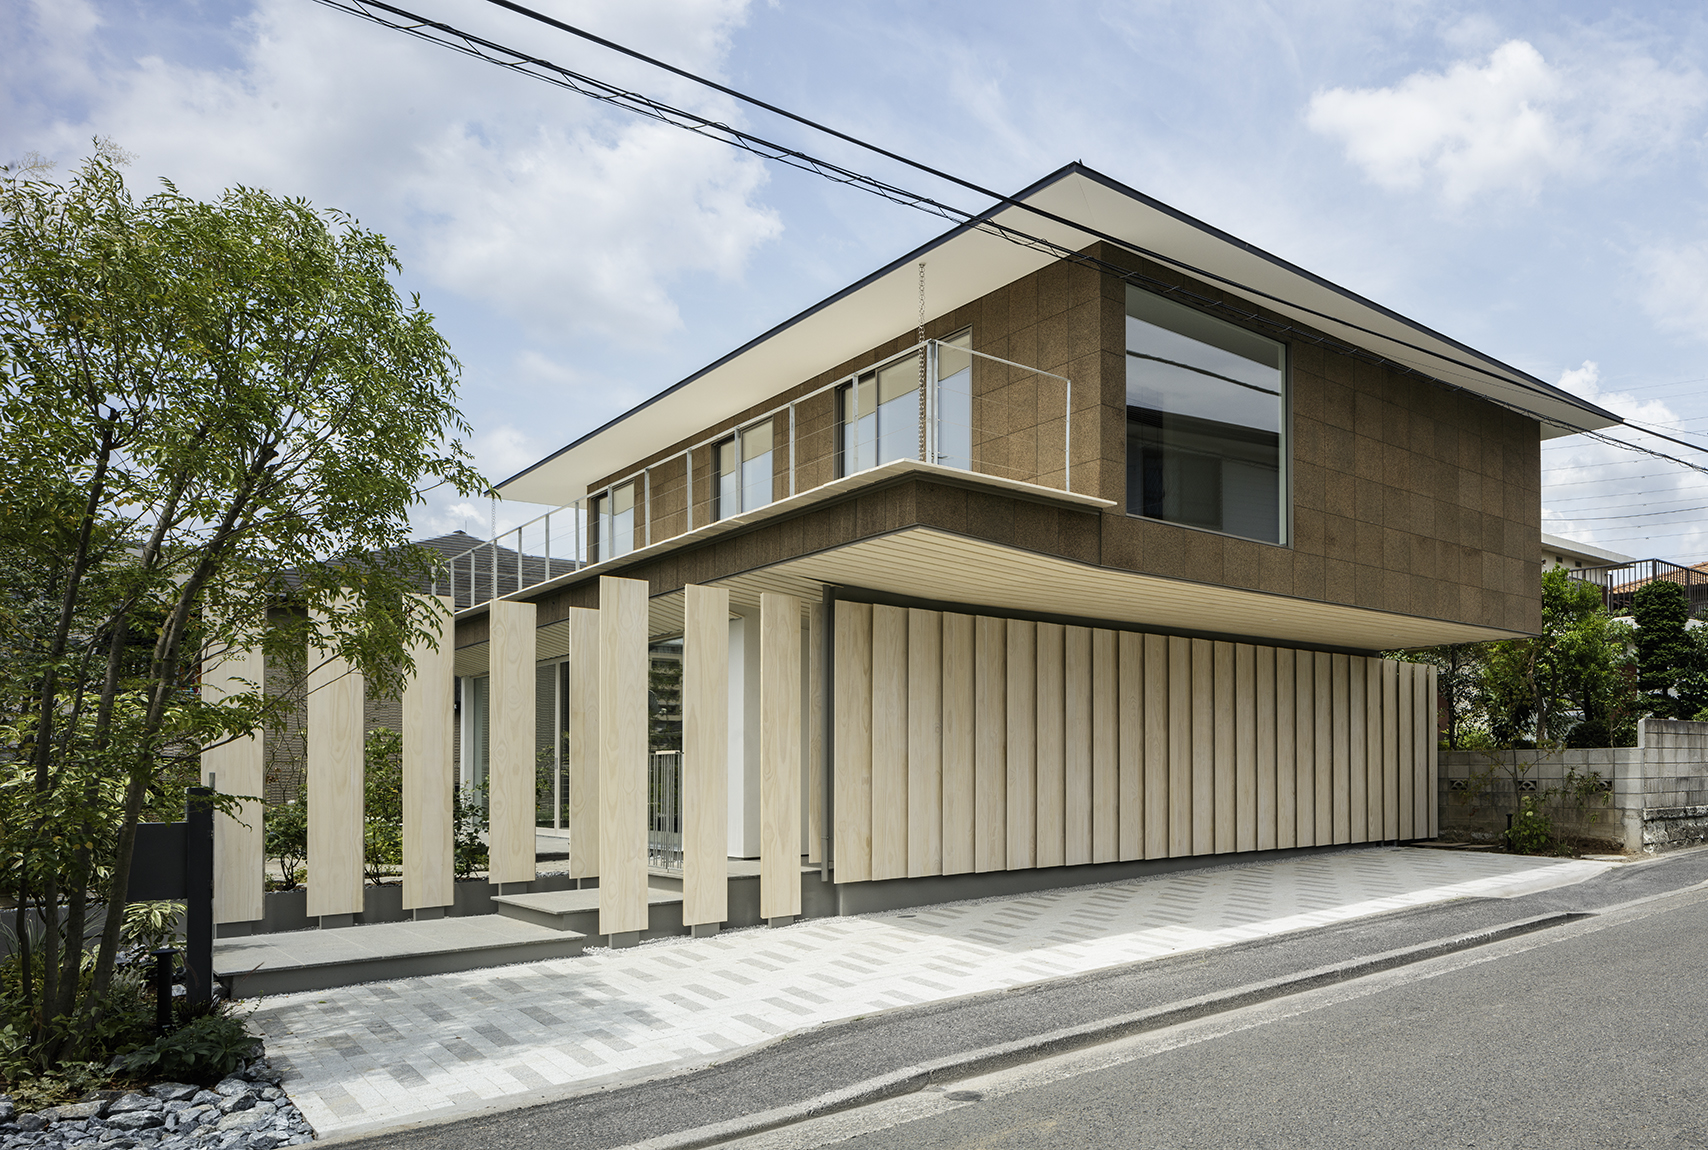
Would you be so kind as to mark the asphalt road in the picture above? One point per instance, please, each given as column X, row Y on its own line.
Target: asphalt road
column 832, row 1058
column 1594, row 1036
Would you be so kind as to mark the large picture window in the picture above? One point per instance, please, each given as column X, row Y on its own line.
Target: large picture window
column 1206, row 421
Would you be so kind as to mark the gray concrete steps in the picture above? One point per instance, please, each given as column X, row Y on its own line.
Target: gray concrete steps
column 577, row 911
column 281, row 963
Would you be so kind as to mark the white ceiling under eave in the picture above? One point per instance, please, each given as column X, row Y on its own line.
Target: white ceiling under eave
column 967, row 263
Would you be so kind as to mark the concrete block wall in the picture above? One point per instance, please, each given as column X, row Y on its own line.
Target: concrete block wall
column 1657, row 796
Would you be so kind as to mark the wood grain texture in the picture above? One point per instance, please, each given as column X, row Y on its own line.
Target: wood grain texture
column 1105, row 747
column 1286, row 749
column 1305, row 748
column 429, row 860
column 705, row 756
column 1022, row 790
column 990, row 739
column 889, row 742
column 1432, row 735
column 1407, row 749
column 1422, row 728
column 780, row 750
column 1226, row 803
column 239, row 768
column 1076, row 759
column 334, row 745
column 1179, row 746
column 1374, row 762
column 1203, row 688
column 1245, row 747
column 851, row 850
column 510, row 777
column 1264, row 657
column 958, row 776
column 1322, row 689
column 622, row 755
column 815, row 705
column 1390, row 749
column 1358, row 781
column 924, row 742
column 1340, row 702
column 1130, row 746
column 581, row 742
column 1052, row 746
column 1158, row 747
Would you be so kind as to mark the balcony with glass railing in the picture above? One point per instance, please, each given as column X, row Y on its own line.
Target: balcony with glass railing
column 939, row 404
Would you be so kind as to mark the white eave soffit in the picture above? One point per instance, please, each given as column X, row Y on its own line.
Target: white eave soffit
column 964, row 265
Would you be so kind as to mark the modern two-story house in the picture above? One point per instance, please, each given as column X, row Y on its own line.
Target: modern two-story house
column 1091, row 523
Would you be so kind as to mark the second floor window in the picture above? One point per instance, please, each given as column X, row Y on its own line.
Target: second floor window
column 1206, row 418
column 745, row 477
column 878, row 411
column 613, row 523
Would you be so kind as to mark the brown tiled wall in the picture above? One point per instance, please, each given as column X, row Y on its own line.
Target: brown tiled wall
column 1408, row 496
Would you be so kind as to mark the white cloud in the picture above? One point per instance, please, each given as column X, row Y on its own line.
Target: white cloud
column 1512, row 122
column 1675, row 287
column 1619, row 499
column 528, row 199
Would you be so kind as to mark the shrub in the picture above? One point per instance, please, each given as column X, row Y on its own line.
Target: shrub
column 1532, row 832
column 202, row 1051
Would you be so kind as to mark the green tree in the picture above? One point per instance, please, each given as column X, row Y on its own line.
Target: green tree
column 195, row 400
column 1572, row 684
column 1459, row 681
column 1666, row 653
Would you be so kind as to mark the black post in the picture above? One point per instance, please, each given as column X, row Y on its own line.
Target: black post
column 163, row 988
column 198, row 894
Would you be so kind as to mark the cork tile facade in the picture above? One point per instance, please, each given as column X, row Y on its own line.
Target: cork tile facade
column 1098, row 572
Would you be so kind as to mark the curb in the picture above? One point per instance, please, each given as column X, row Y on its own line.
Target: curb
column 992, row 1058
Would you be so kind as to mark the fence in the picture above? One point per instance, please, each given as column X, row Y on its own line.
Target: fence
column 664, row 810
column 1619, row 583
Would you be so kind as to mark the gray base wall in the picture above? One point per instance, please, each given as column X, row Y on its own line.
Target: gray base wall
column 1656, row 795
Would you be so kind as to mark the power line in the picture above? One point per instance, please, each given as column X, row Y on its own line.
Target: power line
column 481, row 48
column 1633, row 515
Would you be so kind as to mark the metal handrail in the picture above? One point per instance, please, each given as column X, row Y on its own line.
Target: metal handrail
column 581, row 510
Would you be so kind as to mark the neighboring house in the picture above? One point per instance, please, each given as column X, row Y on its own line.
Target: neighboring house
column 1099, row 574
column 1558, row 551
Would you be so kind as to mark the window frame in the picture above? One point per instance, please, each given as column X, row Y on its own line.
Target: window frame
column 1285, row 454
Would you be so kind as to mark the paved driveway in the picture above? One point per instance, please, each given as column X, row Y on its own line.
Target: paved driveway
column 369, row 1057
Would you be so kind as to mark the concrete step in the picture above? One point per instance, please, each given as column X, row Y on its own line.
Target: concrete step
column 577, row 911
column 258, row 964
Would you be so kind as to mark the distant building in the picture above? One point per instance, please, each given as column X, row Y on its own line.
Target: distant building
column 1558, row 551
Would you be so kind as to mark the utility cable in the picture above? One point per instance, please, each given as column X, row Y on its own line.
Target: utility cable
column 479, row 47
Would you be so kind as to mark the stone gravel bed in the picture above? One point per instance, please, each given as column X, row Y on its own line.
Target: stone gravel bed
column 246, row 1111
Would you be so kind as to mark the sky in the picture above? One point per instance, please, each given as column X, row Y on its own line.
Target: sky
column 1530, row 179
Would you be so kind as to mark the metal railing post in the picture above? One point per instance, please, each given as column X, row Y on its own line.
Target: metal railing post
column 688, row 472
column 518, row 562
column 1067, row 441
column 791, row 448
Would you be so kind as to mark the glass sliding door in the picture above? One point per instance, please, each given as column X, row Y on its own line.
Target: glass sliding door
column 614, row 523
column 745, row 475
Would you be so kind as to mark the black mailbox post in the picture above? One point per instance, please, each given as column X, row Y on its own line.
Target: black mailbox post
column 175, row 860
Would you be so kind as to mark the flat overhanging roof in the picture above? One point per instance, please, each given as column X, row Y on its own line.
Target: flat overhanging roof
column 966, row 263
